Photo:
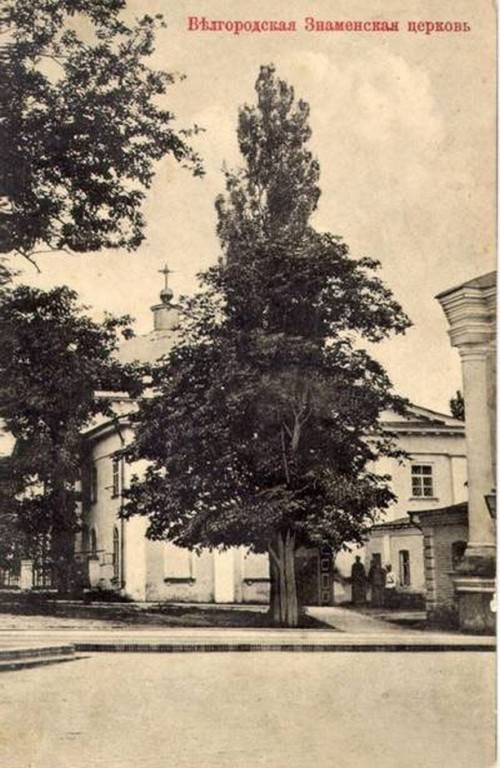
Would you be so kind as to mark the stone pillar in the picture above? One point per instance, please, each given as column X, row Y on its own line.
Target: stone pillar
column 480, row 458
column 471, row 312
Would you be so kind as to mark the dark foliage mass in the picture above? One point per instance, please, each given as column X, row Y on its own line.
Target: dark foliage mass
column 82, row 124
column 53, row 360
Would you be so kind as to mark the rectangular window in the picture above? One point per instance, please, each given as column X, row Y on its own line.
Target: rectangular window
column 94, row 482
column 117, row 466
column 404, row 568
column 422, row 485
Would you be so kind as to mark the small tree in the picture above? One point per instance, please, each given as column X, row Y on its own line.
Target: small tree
column 82, row 123
column 264, row 424
column 53, row 358
column 457, row 406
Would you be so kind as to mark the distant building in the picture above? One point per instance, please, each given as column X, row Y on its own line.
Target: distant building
column 432, row 477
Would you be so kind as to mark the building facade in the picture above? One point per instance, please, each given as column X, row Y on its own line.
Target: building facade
column 433, row 476
column 116, row 554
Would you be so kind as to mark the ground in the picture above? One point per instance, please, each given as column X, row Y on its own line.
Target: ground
column 31, row 612
column 234, row 710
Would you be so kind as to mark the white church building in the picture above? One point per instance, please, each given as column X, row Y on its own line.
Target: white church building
column 116, row 555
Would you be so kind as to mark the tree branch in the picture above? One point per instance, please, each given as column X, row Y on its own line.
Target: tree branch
column 283, row 450
column 29, row 258
column 273, row 555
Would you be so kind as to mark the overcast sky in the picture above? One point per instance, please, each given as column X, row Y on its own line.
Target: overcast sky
column 404, row 130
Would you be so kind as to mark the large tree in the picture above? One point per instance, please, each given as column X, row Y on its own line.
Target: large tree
column 82, row 123
column 263, row 428
column 53, row 359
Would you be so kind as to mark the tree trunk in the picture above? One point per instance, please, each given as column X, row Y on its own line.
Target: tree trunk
column 274, row 604
column 284, row 609
column 62, row 543
column 62, row 556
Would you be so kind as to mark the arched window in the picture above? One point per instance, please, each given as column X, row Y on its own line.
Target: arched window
column 116, row 554
column 93, row 543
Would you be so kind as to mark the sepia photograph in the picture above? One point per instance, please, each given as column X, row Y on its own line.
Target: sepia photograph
column 247, row 383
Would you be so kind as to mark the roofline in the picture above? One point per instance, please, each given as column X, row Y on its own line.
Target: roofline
column 109, row 425
column 469, row 284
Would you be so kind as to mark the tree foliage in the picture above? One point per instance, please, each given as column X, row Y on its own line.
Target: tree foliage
column 53, row 359
column 264, row 428
column 82, row 123
column 457, row 406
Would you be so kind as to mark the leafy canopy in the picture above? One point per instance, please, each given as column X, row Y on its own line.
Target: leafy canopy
column 82, row 123
column 266, row 413
column 53, row 359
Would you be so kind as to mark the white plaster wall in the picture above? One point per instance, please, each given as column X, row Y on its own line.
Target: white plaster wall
column 198, row 589
column 135, row 558
column 224, row 591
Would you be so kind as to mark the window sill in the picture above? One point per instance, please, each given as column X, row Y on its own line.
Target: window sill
column 173, row 580
column 424, row 498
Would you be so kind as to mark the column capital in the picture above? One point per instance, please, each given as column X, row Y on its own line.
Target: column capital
column 471, row 310
column 475, row 352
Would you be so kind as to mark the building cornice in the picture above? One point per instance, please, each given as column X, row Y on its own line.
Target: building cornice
column 471, row 312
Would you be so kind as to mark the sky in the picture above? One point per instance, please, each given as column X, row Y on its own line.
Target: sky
column 403, row 126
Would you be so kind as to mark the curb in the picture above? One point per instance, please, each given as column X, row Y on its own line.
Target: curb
column 395, row 647
column 31, row 663
column 36, row 652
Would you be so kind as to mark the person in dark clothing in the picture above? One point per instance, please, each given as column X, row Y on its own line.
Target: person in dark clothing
column 358, row 582
column 376, row 577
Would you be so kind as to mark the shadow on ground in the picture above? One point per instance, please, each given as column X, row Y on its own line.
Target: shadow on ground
column 146, row 615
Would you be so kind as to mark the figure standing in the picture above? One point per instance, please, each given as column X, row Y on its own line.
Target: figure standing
column 376, row 577
column 390, row 587
column 358, row 582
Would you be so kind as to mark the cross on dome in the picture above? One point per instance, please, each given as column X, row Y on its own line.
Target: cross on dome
column 167, row 293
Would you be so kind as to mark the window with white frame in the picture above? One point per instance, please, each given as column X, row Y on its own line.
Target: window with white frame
column 116, row 554
column 422, row 481
column 116, row 487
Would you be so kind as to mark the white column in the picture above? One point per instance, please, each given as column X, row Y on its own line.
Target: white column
column 480, row 460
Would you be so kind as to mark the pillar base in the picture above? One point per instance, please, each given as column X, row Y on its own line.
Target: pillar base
column 475, row 602
column 478, row 560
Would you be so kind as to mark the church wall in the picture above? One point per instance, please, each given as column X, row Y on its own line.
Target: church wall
column 446, row 455
column 100, row 514
column 178, row 575
column 254, row 577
